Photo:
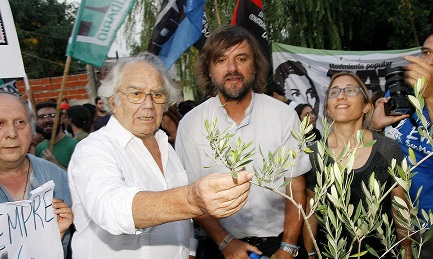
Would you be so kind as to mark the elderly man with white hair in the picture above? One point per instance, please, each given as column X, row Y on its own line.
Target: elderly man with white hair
column 129, row 189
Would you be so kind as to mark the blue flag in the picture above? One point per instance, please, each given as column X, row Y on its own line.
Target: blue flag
column 178, row 26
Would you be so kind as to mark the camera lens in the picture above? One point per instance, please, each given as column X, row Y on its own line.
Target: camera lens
column 398, row 104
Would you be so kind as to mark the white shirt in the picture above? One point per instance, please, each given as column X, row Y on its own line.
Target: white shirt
column 106, row 170
column 268, row 123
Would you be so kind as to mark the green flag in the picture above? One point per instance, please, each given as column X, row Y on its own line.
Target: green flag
column 95, row 29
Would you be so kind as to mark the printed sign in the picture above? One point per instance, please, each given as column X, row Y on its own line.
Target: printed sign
column 28, row 228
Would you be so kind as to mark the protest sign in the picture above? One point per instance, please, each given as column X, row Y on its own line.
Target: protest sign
column 28, row 228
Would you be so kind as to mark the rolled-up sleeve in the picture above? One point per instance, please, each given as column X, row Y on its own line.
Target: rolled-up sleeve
column 99, row 188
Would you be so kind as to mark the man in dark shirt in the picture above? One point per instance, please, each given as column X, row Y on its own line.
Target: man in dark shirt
column 103, row 115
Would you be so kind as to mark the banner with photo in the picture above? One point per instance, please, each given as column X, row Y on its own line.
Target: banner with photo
column 11, row 63
column 305, row 73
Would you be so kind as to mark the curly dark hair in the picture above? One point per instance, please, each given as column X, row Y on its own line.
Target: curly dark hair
column 46, row 104
column 219, row 42
column 428, row 31
column 80, row 117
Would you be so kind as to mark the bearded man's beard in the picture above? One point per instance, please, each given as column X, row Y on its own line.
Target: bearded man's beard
column 230, row 94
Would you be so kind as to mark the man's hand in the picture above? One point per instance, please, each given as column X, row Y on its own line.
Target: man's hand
column 417, row 69
column 64, row 215
column 379, row 120
column 47, row 155
column 219, row 194
column 238, row 249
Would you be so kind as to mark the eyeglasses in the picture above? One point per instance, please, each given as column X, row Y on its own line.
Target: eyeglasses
column 44, row 116
column 139, row 97
column 351, row 90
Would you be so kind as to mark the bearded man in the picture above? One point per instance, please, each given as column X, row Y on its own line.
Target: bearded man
column 232, row 65
column 64, row 145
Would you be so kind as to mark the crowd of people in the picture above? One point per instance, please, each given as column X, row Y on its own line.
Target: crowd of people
column 133, row 173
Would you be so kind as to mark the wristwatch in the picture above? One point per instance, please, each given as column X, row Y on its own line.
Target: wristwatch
column 289, row 248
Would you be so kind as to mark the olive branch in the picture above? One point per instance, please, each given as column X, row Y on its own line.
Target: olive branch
column 332, row 191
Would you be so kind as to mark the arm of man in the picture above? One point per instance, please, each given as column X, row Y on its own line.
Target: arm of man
column 236, row 249
column 217, row 194
column 109, row 197
column 47, row 155
column 379, row 120
column 293, row 219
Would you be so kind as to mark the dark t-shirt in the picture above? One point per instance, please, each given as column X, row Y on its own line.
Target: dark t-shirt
column 102, row 121
column 383, row 151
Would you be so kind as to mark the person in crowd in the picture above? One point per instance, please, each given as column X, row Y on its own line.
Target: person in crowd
column 63, row 107
column 129, row 189
column 170, row 121
column 231, row 64
column 21, row 172
column 348, row 105
column 78, row 120
column 186, row 106
column 102, row 114
column 93, row 115
column 303, row 110
column 275, row 90
column 37, row 138
column 63, row 144
column 406, row 131
column 376, row 96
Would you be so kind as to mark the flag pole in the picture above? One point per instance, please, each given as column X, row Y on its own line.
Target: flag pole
column 59, row 100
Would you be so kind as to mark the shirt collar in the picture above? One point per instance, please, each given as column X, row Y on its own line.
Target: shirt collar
column 219, row 106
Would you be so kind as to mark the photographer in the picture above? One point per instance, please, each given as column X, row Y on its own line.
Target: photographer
column 405, row 128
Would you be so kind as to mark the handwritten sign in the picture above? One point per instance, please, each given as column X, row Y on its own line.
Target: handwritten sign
column 28, row 228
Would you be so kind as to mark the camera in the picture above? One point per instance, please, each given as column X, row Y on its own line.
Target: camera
column 399, row 103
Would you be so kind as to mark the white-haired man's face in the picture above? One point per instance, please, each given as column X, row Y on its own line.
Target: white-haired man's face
column 141, row 119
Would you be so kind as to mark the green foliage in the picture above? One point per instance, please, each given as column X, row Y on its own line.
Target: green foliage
column 43, row 28
column 333, row 192
column 322, row 24
column 143, row 10
column 233, row 157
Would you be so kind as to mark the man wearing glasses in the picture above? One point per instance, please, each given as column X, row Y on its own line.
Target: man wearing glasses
column 64, row 145
column 406, row 132
column 127, row 183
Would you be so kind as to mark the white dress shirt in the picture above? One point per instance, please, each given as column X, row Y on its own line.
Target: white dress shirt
column 106, row 170
column 268, row 123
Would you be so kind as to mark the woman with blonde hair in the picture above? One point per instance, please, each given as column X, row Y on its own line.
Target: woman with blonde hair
column 348, row 106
